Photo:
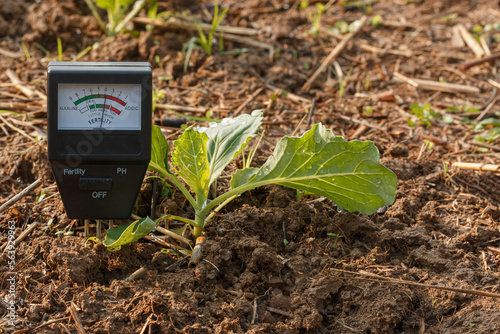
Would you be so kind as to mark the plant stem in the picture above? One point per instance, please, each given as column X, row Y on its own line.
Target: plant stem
column 217, row 209
column 200, row 215
column 94, row 11
column 172, row 178
column 200, row 221
column 137, row 7
column 173, row 217
column 234, row 192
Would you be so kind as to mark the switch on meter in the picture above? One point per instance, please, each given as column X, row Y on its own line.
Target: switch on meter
column 99, row 135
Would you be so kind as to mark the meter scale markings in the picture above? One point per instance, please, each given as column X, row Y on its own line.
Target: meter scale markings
column 115, row 106
column 101, row 106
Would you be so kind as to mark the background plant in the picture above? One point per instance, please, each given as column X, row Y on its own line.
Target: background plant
column 117, row 13
column 206, row 41
column 424, row 113
column 314, row 15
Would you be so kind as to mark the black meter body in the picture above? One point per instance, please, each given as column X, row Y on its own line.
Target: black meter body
column 99, row 135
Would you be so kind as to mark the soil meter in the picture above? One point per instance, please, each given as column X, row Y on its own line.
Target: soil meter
column 99, row 135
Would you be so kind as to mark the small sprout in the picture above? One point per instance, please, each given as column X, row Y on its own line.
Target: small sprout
column 158, row 61
column 424, row 113
column 477, row 28
column 158, row 94
column 376, row 20
column 449, row 18
column 488, row 128
column 40, row 198
column 26, row 51
column 49, row 225
column 206, row 41
column 59, row 49
column 342, row 27
column 44, row 50
column 277, row 53
column 188, row 49
column 368, row 110
column 445, row 168
column 84, row 52
column 117, row 13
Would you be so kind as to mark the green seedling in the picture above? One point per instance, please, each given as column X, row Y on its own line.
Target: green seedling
column 41, row 48
column 59, row 49
column 48, row 227
column 362, row 5
column 488, row 128
column 26, row 51
column 83, row 53
column 367, row 111
column 158, row 94
column 346, row 172
column 337, row 238
column 117, row 13
column 376, row 21
column 445, row 168
column 449, row 18
column 42, row 196
column 424, row 113
column 463, row 108
column 314, row 15
column 206, row 41
column 188, row 49
column 343, row 82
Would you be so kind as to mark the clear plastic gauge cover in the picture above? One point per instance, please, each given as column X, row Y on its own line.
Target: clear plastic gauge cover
column 96, row 106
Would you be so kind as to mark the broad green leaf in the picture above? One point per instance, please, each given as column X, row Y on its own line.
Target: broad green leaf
column 190, row 158
column 348, row 173
column 228, row 138
column 128, row 233
column 159, row 152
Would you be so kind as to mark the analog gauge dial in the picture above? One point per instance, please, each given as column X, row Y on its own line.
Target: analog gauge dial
column 91, row 106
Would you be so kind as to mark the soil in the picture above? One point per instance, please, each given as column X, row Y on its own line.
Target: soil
column 271, row 260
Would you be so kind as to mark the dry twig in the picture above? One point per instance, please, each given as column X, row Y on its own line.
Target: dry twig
column 383, row 279
column 136, row 274
column 470, row 41
column 174, row 236
column 247, row 101
column 438, row 86
column 20, row 195
column 477, row 166
column 76, row 318
column 335, row 52
column 15, row 128
column 465, row 66
column 17, row 82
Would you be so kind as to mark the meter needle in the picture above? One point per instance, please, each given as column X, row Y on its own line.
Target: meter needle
column 103, row 108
